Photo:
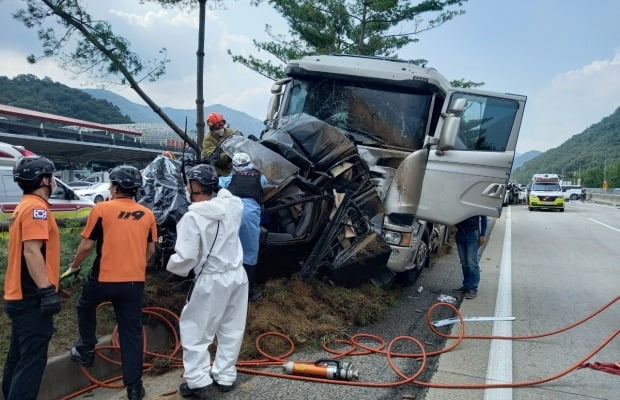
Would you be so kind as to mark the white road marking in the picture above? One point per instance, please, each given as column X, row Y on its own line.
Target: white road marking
column 500, row 355
column 605, row 225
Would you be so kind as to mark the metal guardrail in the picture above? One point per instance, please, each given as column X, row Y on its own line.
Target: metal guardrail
column 615, row 191
column 611, row 199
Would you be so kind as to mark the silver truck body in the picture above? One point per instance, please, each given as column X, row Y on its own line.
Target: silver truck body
column 437, row 154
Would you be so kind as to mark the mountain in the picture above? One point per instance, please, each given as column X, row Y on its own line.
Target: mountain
column 238, row 120
column 589, row 155
column 520, row 159
column 45, row 95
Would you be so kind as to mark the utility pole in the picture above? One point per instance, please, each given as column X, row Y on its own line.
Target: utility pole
column 605, row 175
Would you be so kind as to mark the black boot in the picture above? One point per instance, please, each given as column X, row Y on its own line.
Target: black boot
column 135, row 393
column 196, row 393
column 84, row 358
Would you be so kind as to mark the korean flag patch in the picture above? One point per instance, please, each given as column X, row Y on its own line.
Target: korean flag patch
column 39, row 214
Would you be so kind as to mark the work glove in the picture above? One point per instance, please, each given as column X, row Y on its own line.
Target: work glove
column 50, row 300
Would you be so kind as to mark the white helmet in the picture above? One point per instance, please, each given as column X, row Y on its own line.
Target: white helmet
column 241, row 161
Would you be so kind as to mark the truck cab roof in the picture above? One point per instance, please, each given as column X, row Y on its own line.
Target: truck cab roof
column 378, row 68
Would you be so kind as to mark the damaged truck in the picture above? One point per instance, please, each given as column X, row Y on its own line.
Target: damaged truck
column 368, row 160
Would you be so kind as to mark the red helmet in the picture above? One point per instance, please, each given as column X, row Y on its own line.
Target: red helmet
column 215, row 118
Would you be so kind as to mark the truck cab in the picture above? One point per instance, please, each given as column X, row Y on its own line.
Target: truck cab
column 436, row 154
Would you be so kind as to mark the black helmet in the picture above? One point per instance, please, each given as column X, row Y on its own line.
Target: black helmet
column 31, row 168
column 126, row 176
column 205, row 174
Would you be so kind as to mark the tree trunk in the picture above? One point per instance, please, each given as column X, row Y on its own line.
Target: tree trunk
column 200, row 55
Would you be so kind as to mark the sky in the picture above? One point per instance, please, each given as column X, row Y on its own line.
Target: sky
column 564, row 55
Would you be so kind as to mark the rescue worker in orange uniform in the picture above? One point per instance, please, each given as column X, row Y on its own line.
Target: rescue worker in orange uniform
column 217, row 133
column 31, row 282
column 124, row 233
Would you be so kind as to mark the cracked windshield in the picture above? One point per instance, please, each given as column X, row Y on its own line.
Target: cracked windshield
column 372, row 115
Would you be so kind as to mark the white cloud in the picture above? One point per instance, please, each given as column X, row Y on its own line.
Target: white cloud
column 572, row 102
column 241, row 43
column 185, row 19
column 157, row 19
column 13, row 63
column 147, row 20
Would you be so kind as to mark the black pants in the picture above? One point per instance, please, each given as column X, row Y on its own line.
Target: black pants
column 30, row 336
column 126, row 298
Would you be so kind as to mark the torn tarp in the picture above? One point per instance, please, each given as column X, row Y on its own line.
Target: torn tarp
column 163, row 192
column 319, row 208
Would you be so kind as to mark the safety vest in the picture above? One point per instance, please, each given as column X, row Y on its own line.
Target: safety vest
column 246, row 184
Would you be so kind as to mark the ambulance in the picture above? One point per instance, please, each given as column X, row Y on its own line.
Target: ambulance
column 545, row 192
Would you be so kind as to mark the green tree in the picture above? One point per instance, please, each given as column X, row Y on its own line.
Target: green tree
column 95, row 49
column 45, row 95
column 364, row 27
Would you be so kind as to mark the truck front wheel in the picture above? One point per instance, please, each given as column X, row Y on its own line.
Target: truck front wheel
column 420, row 261
column 437, row 238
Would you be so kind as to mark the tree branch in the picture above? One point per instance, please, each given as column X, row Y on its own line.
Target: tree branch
column 121, row 68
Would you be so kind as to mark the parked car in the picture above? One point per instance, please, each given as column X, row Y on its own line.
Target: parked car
column 64, row 202
column 79, row 184
column 571, row 192
column 9, row 154
column 98, row 177
column 96, row 193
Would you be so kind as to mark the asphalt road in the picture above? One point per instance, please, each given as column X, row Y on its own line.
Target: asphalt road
column 547, row 269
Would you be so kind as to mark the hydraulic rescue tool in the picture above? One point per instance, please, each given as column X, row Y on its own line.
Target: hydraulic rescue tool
column 331, row 369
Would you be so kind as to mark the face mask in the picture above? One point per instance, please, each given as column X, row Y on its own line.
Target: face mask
column 219, row 132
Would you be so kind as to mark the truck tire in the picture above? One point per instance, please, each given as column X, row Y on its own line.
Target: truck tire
column 530, row 209
column 437, row 237
column 561, row 209
column 421, row 260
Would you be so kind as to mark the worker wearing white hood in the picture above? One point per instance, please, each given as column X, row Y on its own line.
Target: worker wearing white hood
column 208, row 244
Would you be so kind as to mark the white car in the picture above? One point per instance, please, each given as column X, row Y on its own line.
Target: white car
column 571, row 192
column 96, row 193
column 10, row 154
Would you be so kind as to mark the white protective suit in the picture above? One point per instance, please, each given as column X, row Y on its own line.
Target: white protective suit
column 219, row 301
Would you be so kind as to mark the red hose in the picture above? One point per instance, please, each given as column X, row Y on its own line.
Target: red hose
column 355, row 348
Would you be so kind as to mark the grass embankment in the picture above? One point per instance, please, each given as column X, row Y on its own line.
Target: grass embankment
column 309, row 312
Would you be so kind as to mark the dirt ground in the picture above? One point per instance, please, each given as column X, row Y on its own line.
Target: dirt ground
column 309, row 312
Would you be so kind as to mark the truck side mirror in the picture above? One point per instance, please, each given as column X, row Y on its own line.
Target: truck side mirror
column 276, row 95
column 451, row 124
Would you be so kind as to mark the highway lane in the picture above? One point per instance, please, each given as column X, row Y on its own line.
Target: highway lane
column 560, row 267
column 566, row 266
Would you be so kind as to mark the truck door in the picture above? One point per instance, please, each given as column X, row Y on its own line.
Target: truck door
column 465, row 168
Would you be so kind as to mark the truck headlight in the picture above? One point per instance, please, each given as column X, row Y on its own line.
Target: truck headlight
column 397, row 238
